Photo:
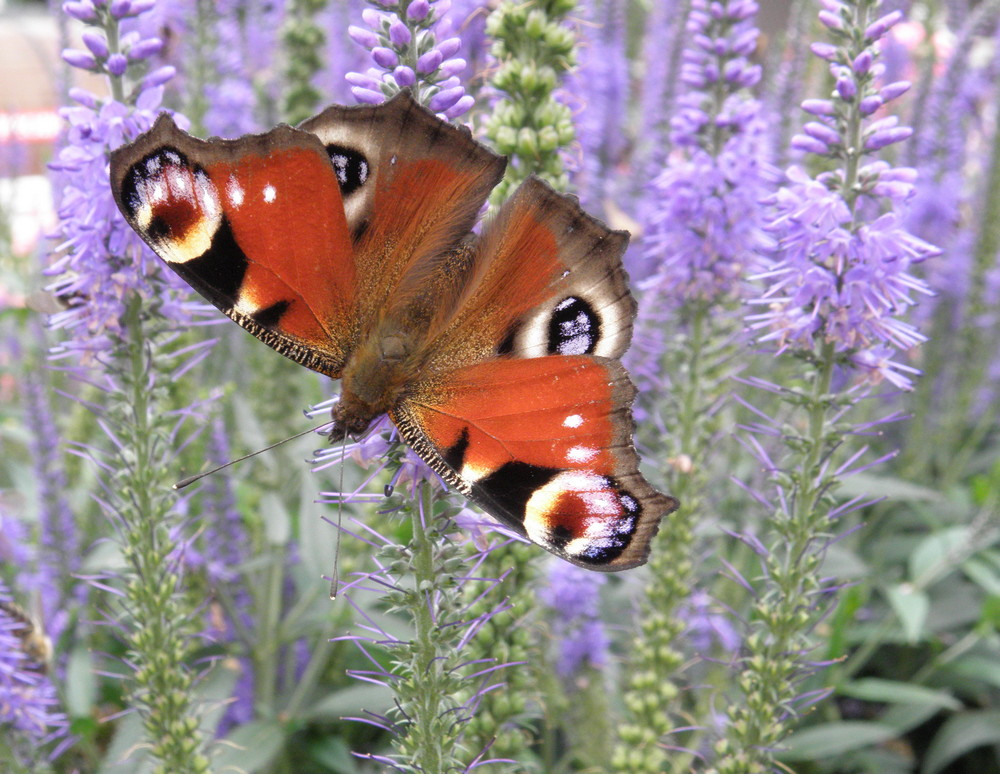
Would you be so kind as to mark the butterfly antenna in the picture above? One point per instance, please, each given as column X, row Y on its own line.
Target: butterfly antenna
column 198, row 476
column 335, row 579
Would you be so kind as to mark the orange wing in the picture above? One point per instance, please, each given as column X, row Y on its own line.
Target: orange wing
column 545, row 445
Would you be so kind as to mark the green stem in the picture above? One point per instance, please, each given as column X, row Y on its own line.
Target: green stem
column 429, row 755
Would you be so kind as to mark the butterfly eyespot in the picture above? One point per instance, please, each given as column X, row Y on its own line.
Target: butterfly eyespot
column 574, row 328
column 350, row 166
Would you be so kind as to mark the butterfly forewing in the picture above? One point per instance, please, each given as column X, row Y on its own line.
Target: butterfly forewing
column 424, row 184
column 256, row 225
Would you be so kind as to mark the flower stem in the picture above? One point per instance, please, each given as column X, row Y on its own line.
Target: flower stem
column 162, row 613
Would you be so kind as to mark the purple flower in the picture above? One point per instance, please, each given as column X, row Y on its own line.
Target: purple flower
column 703, row 225
column 837, row 279
column 98, row 258
column 707, row 626
column 411, row 50
column 59, row 555
column 245, row 40
column 28, row 702
column 600, row 85
column 573, row 594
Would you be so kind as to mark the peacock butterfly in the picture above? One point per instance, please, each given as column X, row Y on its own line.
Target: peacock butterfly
column 346, row 244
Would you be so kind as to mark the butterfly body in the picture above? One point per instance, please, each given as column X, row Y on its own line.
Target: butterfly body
column 348, row 245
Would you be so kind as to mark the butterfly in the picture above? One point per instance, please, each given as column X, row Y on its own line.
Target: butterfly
column 347, row 245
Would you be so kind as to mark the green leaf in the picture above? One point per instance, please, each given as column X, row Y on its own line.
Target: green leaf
column 958, row 735
column 81, row 687
column 938, row 553
column 983, row 574
column 249, row 748
column 334, row 753
column 352, row 700
column 833, row 739
column 893, row 692
column 977, row 668
column 911, row 608
column 862, row 484
column 277, row 522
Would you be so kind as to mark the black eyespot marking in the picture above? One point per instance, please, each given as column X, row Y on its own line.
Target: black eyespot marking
column 574, row 328
column 455, row 455
column 512, row 484
column 218, row 272
column 147, row 169
column 271, row 316
column 350, row 166
column 507, row 345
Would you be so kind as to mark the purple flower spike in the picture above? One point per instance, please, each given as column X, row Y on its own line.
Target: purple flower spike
column 81, row 11
column 117, row 64
column 81, row 59
column 96, row 42
column 399, row 33
column 385, row 57
column 430, row 61
column 392, row 39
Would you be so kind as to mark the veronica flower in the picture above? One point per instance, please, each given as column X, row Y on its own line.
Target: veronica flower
column 600, row 83
column 29, row 705
column 412, row 46
column 574, row 597
column 98, row 259
column 60, row 552
column 243, row 36
column 119, row 307
column 835, row 292
column 702, row 235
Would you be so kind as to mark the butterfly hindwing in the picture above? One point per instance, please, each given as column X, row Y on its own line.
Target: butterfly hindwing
column 548, row 281
column 545, row 445
column 256, row 225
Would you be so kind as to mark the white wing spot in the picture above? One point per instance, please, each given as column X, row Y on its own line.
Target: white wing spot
column 234, row 191
column 270, row 192
column 581, row 454
column 573, row 420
